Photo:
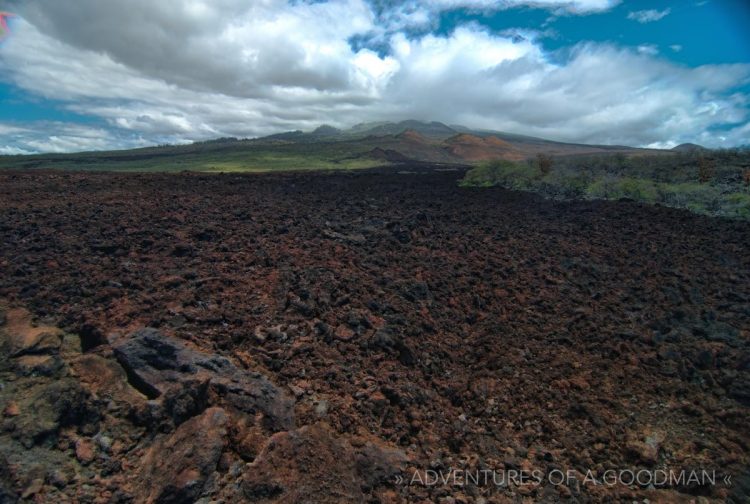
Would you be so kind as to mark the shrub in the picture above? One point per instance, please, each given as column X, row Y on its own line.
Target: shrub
column 636, row 189
column 544, row 162
column 736, row 205
column 706, row 169
column 559, row 184
column 683, row 195
column 501, row 172
column 479, row 176
column 570, row 183
column 668, row 180
column 605, row 187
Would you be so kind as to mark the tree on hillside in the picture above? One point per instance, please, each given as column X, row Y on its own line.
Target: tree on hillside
column 706, row 169
column 544, row 162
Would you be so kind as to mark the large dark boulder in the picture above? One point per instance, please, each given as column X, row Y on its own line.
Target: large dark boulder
column 186, row 381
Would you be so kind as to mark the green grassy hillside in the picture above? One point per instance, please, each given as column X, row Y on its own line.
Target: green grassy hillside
column 223, row 155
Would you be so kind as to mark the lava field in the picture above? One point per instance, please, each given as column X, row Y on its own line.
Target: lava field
column 349, row 336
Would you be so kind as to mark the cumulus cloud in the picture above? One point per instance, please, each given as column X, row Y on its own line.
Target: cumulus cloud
column 61, row 137
column 180, row 70
column 602, row 94
column 648, row 16
column 239, row 48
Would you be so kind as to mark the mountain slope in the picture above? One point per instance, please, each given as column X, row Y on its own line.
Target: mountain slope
column 689, row 147
column 364, row 145
column 457, row 148
column 474, row 148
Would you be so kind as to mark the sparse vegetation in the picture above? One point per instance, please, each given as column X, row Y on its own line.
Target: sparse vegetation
column 720, row 189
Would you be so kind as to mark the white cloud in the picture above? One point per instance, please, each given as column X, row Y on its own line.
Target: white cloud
column 648, row 16
column 238, row 48
column 423, row 13
column 676, row 47
column 13, row 151
column 577, row 6
column 650, row 49
column 182, row 70
column 601, row 95
column 574, row 6
column 662, row 145
column 7, row 129
column 55, row 136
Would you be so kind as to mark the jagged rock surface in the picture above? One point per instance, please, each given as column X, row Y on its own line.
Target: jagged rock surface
column 466, row 328
column 177, row 466
column 186, row 381
column 312, row 464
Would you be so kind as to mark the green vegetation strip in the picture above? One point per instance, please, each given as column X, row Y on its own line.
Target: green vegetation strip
column 724, row 191
column 218, row 156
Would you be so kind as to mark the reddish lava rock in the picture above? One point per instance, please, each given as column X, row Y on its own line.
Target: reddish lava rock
column 84, row 451
column 176, row 467
column 312, row 464
column 472, row 329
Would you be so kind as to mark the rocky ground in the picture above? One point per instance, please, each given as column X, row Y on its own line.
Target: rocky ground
column 347, row 337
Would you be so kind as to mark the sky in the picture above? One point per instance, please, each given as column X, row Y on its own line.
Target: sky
column 109, row 74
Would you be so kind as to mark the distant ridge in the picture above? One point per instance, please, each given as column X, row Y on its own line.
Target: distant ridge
column 689, row 147
column 432, row 129
column 413, row 136
column 412, row 131
column 326, row 131
column 363, row 145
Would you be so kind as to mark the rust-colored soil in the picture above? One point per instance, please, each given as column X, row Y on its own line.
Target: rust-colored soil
column 474, row 148
column 413, row 324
